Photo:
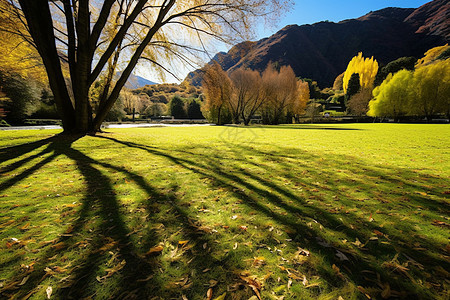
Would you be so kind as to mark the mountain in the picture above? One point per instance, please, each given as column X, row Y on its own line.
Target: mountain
column 321, row 51
column 135, row 82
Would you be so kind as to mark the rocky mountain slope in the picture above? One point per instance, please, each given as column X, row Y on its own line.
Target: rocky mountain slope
column 322, row 51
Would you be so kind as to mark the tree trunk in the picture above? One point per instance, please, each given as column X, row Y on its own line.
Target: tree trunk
column 80, row 82
column 40, row 24
column 218, row 116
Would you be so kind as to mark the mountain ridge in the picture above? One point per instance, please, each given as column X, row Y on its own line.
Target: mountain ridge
column 321, row 51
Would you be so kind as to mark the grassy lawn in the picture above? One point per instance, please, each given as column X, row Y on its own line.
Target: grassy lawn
column 348, row 211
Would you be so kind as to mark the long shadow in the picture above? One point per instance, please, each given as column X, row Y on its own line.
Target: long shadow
column 11, row 152
column 210, row 168
column 139, row 276
column 100, row 193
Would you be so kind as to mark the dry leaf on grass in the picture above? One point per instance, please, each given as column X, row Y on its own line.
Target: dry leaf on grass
column 209, row 294
column 254, row 284
column 154, row 250
column 221, row 297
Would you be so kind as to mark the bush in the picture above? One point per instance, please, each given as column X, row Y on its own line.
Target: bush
column 23, row 95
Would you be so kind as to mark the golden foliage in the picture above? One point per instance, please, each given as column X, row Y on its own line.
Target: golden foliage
column 16, row 55
column 365, row 67
column 431, row 55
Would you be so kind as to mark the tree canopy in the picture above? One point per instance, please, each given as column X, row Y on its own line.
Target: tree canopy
column 367, row 69
column 83, row 41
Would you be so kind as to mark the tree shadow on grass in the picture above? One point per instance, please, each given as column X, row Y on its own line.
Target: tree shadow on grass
column 271, row 188
column 99, row 228
column 384, row 254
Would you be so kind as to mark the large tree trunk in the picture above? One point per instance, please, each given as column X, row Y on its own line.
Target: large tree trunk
column 41, row 29
column 80, row 82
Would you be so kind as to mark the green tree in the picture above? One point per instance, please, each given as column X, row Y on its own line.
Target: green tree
column 393, row 67
column 431, row 84
column 156, row 110
column 393, row 97
column 95, row 37
column 176, row 108
column 353, row 87
column 194, row 110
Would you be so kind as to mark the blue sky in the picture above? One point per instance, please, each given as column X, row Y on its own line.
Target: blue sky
column 313, row 11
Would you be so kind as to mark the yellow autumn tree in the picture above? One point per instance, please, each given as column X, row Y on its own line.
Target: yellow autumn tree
column 367, row 69
column 17, row 56
column 217, row 87
column 303, row 97
column 432, row 55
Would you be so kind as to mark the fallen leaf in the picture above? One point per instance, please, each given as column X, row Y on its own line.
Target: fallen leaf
column 421, row 193
column 379, row 233
column 184, row 297
column 49, row 291
column 363, row 290
column 221, row 297
column 116, row 268
column 182, row 243
column 289, row 284
column 209, row 294
column 259, row 261
column 341, row 255
column 59, row 246
column 25, row 227
column 357, row 243
column 213, row 283
column 253, row 284
column 24, row 280
column 312, row 285
column 154, row 250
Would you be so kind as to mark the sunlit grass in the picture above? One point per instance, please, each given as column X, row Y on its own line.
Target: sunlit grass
column 300, row 211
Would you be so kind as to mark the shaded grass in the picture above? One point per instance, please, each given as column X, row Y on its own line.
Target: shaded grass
column 310, row 211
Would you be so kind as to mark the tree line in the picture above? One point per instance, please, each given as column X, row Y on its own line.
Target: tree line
column 276, row 95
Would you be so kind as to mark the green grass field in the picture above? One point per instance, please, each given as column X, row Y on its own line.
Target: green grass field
column 348, row 211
